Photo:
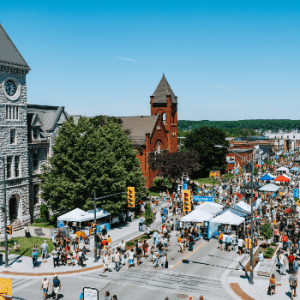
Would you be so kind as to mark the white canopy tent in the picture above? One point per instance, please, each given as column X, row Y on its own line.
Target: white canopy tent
column 79, row 215
column 269, row 188
column 211, row 207
column 197, row 215
column 271, row 175
column 228, row 218
column 283, row 169
column 245, row 206
column 75, row 215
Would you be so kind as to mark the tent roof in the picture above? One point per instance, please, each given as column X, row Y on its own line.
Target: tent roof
column 281, row 178
column 283, row 169
column 228, row 218
column 269, row 188
column 244, row 206
column 197, row 215
column 266, row 177
column 247, row 186
column 240, row 212
column 295, row 169
column 211, row 207
column 74, row 215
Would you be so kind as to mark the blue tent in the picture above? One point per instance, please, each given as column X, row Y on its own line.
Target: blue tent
column 266, row 177
column 295, row 169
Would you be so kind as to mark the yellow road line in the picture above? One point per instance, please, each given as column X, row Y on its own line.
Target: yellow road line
column 188, row 255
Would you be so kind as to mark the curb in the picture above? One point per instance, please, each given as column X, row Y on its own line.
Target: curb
column 52, row 273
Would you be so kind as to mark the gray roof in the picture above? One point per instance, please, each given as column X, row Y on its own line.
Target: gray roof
column 48, row 115
column 9, row 54
column 162, row 91
column 139, row 126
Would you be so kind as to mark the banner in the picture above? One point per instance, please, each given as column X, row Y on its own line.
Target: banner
column 203, row 199
column 215, row 174
column 296, row 193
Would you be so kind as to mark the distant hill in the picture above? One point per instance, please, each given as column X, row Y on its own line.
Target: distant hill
column 264, row 124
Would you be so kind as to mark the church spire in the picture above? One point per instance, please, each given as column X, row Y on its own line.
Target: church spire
column 162, row 91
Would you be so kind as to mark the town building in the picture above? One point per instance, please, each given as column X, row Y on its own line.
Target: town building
column 27, row 134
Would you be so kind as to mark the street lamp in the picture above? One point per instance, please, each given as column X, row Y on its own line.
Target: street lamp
column 251, row 216
column 5, row 212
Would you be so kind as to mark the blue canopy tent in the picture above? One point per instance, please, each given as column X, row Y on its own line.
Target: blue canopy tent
column 295, row 169
column 267, row 177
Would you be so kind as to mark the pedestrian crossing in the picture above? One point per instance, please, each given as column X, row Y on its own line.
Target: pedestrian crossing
column 21, row 283
column 166, row 281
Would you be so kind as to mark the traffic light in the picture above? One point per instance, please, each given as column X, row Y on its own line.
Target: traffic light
column 93, row 227
column 248, row 243
column 9, row 229
column 131, row 197
column 186, row 200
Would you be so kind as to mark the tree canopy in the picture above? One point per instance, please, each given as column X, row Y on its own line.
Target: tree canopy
column 94, row 155
column 203, row 140
column 173, row 165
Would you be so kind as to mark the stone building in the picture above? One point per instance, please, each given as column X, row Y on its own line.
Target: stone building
column 26, row 136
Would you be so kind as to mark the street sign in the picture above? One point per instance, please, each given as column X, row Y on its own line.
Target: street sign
column 60, row 224
column 90, row 294
column 185, row 186
column 203, row 199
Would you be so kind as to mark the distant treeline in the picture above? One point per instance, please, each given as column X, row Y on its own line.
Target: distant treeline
column 245, row 127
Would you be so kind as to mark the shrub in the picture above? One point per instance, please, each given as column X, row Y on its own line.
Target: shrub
column 274, row 244
column 149, row 215
column 44, row 213
column 267, row 231
column 267, row 255
column 37, row 220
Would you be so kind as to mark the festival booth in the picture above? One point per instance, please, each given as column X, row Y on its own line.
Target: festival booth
column 270, row 188
column 267, row 177
column 244, row 206
column 282, row 178
column 295, row 169
column 283, row 170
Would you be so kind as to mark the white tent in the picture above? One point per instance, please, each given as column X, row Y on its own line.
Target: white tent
column 271, row 175
column 269, row 188
column 211, row 207
column 75, row 215
column 197, row 215
column 228, row 218
column 245, row 206
column 283, row 169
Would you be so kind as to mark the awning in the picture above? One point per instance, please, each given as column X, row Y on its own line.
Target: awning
column 282, row 178
column 269, row 188
column 197, row 215
column 228, row 218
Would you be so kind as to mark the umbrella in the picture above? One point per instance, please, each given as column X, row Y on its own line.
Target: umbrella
column 281, row 178
column 266, row 177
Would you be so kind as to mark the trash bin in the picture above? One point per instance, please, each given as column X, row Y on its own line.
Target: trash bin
column 140, row 226
column 1, row 259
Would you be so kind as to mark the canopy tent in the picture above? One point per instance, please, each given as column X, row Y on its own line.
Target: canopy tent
column 288, row 177
column 269, row 188
column 197, row 215
column 283, row 169
column 75, row 215
column 295, row 169
column 297, row 159
column 238, row 211
column 211, row 207
column 273, row 176
column 244, row 206
column 228, row 218
column 266, row 177
column 281, row 178
column 247, row 186
column 79, row 215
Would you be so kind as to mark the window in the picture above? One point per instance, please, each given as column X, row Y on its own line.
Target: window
column 158, row 147
column 13, row 136
column 12, row 112
column 35, row 161
column 164, row 118
column 35, row 194
column 158, row 127
column 36, row 132
column 8, row 166
column 17, row 166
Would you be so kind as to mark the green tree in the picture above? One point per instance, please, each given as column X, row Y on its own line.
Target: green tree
column 148, row 215
column 267, row 231
column 94, row 155
column 204, row 140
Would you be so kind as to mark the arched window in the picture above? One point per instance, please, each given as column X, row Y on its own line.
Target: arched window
column 158, row 147
column 164, row 118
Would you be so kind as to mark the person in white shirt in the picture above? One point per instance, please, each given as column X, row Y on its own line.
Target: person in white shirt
column 106, row 262
column 117, row 260
column 241, row 243
column 122, row 246
column 44, row 287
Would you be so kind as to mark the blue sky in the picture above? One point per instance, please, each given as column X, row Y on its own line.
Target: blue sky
column 225, row 60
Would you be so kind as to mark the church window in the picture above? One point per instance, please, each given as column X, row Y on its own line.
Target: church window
column 158, row 147
column 35, row 194
column 13, row 136
column 8, row 166
column 158, row 127
column 36, row 132
column 164, row 118
column 17, row 166
column 35, row 161
column 12, row 112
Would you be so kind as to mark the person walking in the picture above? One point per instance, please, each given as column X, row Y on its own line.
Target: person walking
column 293, row 280
column 220, row 240
column 55, row 255
column 272, row 285
column 164, row 257
column 34, row 256
column 56, row 286
column 281, row 263
column 145, row 248
column 44, row 250
column 117, row 260
column 291, row 259
column 131, row 258
column 107, row 296
column 44, row 287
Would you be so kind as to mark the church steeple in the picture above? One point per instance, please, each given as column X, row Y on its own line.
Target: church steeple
column 162, row 91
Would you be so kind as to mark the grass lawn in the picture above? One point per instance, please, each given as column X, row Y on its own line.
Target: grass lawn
column 26, row 245
column 206, row 181
column 43, row 225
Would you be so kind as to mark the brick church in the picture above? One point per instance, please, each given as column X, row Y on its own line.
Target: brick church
column 157, row 132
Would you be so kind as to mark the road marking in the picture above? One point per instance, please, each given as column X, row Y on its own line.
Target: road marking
column 188, row 255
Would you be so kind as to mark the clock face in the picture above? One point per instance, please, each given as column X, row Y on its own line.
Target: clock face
column 10, row 87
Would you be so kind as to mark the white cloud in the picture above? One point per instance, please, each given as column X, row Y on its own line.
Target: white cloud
column 128, row 59
column 219, row 86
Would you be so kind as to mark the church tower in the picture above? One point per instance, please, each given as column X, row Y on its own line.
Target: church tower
column 13, row 131
column 164, row 102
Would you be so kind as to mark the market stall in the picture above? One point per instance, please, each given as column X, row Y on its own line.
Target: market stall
column 270, row 188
